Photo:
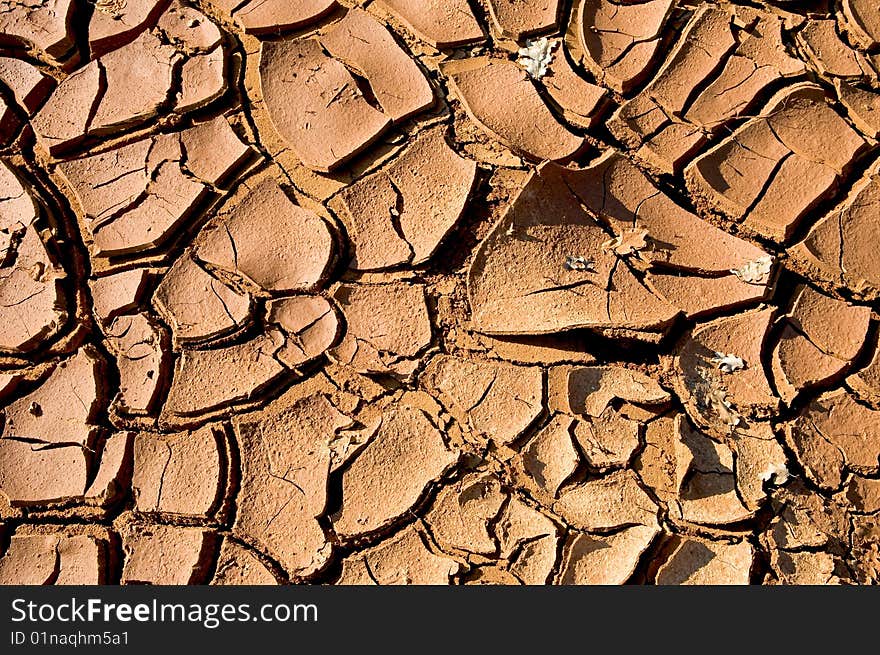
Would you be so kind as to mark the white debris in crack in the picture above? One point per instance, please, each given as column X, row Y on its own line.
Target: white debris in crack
column 776, row 474
column 728, row 363
column 717, row 400
column 536, row 56
column 754, row 272
column 579, row 264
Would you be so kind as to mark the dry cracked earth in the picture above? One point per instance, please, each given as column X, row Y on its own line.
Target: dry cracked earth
column 439, row 291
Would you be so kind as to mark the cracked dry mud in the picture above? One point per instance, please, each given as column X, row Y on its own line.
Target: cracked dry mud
column 439, row 292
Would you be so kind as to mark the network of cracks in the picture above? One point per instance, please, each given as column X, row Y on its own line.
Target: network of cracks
column 439, row 292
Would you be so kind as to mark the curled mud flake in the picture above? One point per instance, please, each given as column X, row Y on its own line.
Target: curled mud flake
column 82, row 561
column 392, row 473
column 527, row 541
column 549, row 458
column 9, row 123
column 170, row 199
column 272, row 16
column 864, row 560
column 368, row 209
column 827, row 52
column 310, row 323
column 115, row 22
column 760, row 463
column 460, row 516
column 518, row 284
column 286, row 461
column 580, row 102
column 608, row 440
column 396, row 81
column 496, row 401
column 835, row 434
column 723, row 399
column 547, row 350
column 140, row 346
column 866, row 382
column 774, row 170
column 839, row 249
column 387, row 327
column 804, row 568
column 44, row 24
column 136, row 197
column 114, row 470
column 165, row 554
column 203, row 80
column 501, row 98
column 400, row 214
column 213, row 151
column 705, row 479
column 28, row 84
column 700, row 562
column 197, row 306
column 590, row 390
column 8, row 382
column 434, row 184
column 29, row 560
column 270, row 241
column 441, row 23
column 604, row 559
column 403, row 559
column 178, row 474
column 53, row 559
column 118, row 293
column 189, row 29
column 804, row 519
column 717, row 71
column 237, row 565
column 613, row 501
column 217, row 379
column 863, row 22
column 69, row 401
column 124, row 88
column 331, row 122
column 33, row 475
column 864, row 494
column 536, row 56
column 514, row 19
column 620, row 39
column 103, row 184
column 688, row 261
column 819, row 341
column 133, row 95
column 862, row 106
column 32, row 296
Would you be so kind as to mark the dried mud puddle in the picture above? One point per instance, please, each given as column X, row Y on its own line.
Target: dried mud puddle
column 439, row 292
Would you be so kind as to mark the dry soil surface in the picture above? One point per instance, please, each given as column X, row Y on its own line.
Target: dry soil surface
column 439, row 292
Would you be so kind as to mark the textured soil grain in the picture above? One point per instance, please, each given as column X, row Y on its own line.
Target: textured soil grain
column 422, row 292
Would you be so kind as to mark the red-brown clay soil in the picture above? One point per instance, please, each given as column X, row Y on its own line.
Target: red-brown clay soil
column 439, row 292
